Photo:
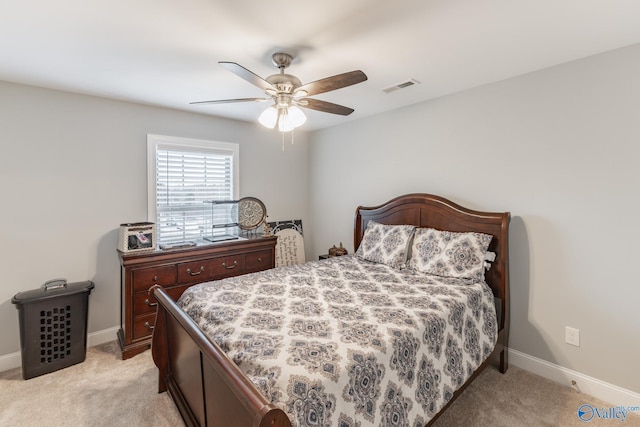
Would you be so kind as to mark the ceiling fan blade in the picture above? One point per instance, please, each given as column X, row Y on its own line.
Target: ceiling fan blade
column 332, row 83
column 324, row 106
column 226, row 101
column 252, row 78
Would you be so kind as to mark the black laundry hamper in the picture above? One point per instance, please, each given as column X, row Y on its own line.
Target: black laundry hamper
column 53, row 326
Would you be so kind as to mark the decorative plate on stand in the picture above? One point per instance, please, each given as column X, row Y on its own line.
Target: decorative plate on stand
column 251, row 213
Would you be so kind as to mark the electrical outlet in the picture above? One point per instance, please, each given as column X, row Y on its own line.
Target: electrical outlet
column 572, row 336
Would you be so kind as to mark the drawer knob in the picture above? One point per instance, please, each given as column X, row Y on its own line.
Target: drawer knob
column 259, row 259
column 155, row 278
column 195, row 273
column 149, row 303
column 229, row 267
column 148, row 326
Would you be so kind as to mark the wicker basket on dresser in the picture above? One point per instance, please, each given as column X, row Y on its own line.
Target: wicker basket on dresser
column 176, row 270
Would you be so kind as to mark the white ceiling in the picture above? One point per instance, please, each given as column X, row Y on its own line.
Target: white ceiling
column 165, row 52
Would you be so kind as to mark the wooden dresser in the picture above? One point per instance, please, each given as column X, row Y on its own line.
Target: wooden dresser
column 176, row 270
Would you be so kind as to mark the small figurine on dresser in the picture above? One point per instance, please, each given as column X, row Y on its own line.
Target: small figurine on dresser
column 266, row 230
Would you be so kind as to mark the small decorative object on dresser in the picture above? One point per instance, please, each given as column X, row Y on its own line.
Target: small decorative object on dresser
column 266, row 230
column 222, row 224
column 251, row 213
column 176, row 270
column 137, row 236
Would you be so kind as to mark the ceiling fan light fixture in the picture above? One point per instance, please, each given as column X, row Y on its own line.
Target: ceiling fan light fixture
column 290, row 118
column 296, row 116
column 287, row 118
column 284, row 124
column 269, row 117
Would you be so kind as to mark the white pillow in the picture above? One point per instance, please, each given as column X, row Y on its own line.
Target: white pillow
column 386, row 244
column 449, row 254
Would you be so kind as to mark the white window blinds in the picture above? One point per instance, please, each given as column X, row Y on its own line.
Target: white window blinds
column 187, row 175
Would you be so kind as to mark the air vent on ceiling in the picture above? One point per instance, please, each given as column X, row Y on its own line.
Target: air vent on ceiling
column 402, row 85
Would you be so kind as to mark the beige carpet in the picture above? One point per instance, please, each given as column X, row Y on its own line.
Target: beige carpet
column 107, row 391
column 101, row 391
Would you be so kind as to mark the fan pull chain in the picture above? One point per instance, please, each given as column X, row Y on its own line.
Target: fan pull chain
column 292, row 140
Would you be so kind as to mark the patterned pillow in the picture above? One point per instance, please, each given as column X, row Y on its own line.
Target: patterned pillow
column 449, row 254
column 386, row 244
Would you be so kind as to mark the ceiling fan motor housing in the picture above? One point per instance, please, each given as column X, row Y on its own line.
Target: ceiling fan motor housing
column 284, row 82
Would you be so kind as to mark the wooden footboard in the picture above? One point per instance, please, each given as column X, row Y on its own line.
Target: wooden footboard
column 207, row 387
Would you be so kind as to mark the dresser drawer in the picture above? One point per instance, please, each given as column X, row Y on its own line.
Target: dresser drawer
column 145, row 278
column 258, row 261
column 227, row 266
column 194, row 271
column 143, row 326
column 144, row 303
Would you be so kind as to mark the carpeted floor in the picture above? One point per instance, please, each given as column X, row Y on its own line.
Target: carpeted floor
column 101, row 391
column 107, row 391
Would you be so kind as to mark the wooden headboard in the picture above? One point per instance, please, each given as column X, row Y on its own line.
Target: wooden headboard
column 426, row 210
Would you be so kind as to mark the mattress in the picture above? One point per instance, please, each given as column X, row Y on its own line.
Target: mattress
column 346, row 342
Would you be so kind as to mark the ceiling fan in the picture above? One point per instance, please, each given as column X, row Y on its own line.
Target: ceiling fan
column 288, row 93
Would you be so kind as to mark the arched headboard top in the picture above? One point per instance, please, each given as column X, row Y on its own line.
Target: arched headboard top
column 427, row 210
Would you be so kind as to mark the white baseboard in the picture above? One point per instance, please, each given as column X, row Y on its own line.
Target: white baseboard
column 10, row 361
column 14, row 360
column 103, row 336
column 585, row 384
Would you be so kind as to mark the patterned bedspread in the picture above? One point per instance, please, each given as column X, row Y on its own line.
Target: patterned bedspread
column 346, row 342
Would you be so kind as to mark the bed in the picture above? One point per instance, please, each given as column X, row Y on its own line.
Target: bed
column 340, row 367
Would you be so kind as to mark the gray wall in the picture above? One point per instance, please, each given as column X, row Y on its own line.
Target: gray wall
column 559, row 149
column 73, row 167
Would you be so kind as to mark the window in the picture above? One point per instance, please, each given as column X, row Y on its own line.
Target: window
column 183, row 174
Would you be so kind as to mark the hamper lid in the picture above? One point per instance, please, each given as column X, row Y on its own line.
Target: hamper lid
column 52, row 289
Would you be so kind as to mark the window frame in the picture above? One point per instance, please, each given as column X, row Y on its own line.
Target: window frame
column 155, row 141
